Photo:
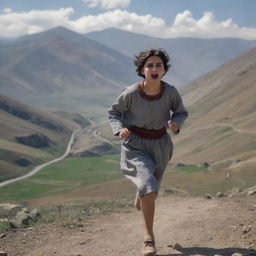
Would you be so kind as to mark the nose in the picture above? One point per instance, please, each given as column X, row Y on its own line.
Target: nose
column 154, row 68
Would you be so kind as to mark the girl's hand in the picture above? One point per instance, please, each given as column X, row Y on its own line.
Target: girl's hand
column 173, row 126
column 124, row 133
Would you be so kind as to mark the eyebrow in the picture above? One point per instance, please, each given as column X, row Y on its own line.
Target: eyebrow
column 155, row 63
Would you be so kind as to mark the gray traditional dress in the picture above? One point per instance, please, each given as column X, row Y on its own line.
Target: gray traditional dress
column 144, row 160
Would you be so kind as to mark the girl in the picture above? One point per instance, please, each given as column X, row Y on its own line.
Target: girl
column 140, row 117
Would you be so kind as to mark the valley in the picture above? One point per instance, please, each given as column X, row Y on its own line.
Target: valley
column 38, row 168
column 217, row 131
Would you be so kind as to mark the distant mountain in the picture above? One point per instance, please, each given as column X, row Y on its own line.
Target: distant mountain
column 29, row 136
column 222, row 121
column 190, row 57
column 63, row 70
column 61, row 62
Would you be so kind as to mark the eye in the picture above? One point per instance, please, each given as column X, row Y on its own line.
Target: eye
column 159, row 64
column 150, row 66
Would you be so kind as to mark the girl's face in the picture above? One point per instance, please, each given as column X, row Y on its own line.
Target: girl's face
column 153, row 69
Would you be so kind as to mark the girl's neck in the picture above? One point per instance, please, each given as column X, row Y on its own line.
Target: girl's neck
column 151, row 88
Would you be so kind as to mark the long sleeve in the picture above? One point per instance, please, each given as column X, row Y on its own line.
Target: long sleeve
column 180, row 113
column 116, row 111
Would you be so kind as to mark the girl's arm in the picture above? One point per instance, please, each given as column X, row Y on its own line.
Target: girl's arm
column 115, row 113
column 179, row 114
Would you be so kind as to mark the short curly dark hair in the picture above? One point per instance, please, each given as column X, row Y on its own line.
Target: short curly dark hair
column 142, row 57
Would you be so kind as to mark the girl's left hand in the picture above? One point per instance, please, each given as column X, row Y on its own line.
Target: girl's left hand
column 124, row 133
column 173, row 126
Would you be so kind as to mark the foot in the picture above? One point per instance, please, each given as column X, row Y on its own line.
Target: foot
column 137, row 201
column 149, row 248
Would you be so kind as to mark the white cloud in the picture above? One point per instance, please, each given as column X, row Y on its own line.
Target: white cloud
column 185, row 25
column 108, row 4
column 14, row 24
column 7, row 10
column 118, row 19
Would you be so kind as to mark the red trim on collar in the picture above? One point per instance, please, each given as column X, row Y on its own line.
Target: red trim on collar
column 150, row 97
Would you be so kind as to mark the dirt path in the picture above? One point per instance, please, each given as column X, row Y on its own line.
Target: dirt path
column 41, row 166
column 201, row 226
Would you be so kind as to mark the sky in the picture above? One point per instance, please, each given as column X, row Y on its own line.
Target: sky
column 156, row 18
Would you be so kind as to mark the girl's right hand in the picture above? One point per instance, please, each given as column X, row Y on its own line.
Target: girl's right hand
column 173, row 126
column 124, row 133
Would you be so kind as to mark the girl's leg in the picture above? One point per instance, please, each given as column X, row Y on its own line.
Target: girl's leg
column 137, row 201
column 148, row 212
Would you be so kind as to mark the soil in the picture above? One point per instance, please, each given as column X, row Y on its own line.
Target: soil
column 201, row 226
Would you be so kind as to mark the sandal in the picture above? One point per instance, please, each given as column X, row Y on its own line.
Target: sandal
column 149, row 248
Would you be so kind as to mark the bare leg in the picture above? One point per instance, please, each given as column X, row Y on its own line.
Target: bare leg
column 148, row 212
column 137, row 201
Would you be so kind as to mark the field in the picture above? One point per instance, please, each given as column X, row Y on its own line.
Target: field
column 100, row 177
column 69, row 174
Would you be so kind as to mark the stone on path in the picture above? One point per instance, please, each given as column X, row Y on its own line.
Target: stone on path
column 208, row 196
column 22, row 219
column 177, row 247
column 2, row 235
column 9, row 210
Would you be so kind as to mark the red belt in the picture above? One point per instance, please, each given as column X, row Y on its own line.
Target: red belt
column 148, row 134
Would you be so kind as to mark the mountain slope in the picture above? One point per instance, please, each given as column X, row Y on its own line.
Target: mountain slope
column 190, row 57
column 61, row 62
column 222, row 106
column 29, row 136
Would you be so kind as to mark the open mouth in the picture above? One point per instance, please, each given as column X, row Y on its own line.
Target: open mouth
column 154, row 76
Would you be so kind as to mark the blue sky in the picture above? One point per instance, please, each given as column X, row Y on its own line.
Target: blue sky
column 158, row 18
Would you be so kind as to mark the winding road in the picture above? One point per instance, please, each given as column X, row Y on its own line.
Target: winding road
column 40, row 167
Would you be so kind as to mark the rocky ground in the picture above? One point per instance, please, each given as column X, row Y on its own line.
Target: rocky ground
column 200, row 226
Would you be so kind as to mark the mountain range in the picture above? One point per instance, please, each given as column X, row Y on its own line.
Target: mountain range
column 61, row 69
column 190, row 57
column 58, row 68
column 61, row 60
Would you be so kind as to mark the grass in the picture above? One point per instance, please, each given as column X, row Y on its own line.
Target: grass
column 73, row 211
column 24, row 190
column 89, row 170
column 4, row 226
column 197, row 181
column 226, row 129
column 197, row 150
column 64, row 176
